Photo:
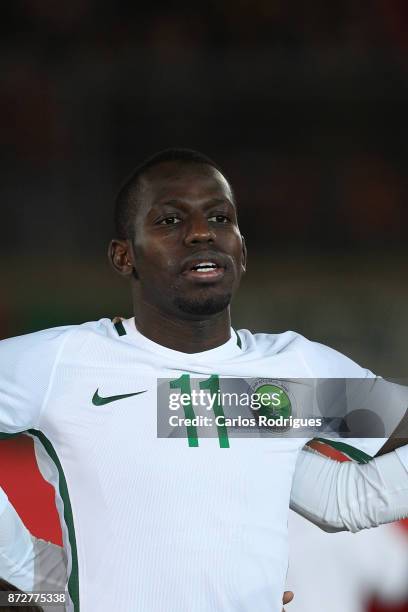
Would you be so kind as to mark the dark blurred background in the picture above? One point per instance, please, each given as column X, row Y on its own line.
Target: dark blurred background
column 303, row 104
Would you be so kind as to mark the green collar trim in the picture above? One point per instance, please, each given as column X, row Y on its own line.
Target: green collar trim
column 120, row 328
column 239, row 343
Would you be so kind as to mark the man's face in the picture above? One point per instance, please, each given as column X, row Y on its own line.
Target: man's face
column 188, row 252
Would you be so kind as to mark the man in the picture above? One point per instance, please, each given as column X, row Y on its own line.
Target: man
column 167, row 524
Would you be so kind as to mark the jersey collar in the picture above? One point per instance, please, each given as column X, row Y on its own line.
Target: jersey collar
column 232, row 347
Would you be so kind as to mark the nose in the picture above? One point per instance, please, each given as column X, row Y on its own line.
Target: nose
column 198, row 230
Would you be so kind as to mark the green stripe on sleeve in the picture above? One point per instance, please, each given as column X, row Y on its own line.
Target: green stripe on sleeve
column 354, row 453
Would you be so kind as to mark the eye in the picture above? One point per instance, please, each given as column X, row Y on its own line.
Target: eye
column 169, row 221
column 219, row 218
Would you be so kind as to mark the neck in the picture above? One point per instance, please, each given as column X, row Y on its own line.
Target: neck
column 182, row 334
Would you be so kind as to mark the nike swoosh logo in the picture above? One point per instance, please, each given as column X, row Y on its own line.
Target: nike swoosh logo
column 97, row 400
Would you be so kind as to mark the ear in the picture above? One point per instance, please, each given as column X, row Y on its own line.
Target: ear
column 244, row 254
column 121, row 256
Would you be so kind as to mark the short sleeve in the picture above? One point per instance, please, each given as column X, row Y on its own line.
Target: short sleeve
column 327, row 363
column 26, row 366
column 372, row 407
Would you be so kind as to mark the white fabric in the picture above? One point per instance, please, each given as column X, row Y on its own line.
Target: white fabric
column 27, row 562
column 26, row 367
column 402, row 454
column 3, row 500
column 16, row 548
column 349, row 496
column 158, row 525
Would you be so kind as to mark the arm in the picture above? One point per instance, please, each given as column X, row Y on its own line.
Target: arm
column 16, row 547
column 398, row 439
column 384, row 399
column 393, row 397
column 349, row 496
column 27, row 562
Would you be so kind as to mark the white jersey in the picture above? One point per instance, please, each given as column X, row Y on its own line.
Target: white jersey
column 151, row 524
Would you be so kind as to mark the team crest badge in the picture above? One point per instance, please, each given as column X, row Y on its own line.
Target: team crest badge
column 272, row 400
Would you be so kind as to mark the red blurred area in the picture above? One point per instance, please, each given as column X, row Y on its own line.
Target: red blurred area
column 30, row 494
column 377, row 606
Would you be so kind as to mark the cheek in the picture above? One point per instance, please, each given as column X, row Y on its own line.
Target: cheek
column 156, row 259
column 236, row 248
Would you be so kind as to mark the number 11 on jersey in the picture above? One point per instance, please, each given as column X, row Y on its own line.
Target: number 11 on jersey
column 212, row 385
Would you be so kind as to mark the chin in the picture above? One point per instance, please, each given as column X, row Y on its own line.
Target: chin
column 205, row 306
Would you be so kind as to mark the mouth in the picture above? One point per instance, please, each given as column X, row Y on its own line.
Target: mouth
column 204, row 269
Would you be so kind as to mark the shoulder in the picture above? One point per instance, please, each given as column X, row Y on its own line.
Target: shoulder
column 34, row 345
column 49, row 342
column 319, row 360
column 331, row 363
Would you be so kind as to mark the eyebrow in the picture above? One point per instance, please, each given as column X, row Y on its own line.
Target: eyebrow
column 177, row 202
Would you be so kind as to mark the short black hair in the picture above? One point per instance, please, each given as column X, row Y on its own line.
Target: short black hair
column 126, row 200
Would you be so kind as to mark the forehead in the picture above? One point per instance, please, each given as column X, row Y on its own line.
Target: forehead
column 188, row 182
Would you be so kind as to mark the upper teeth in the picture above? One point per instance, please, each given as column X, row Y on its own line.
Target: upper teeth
column 205, row 266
